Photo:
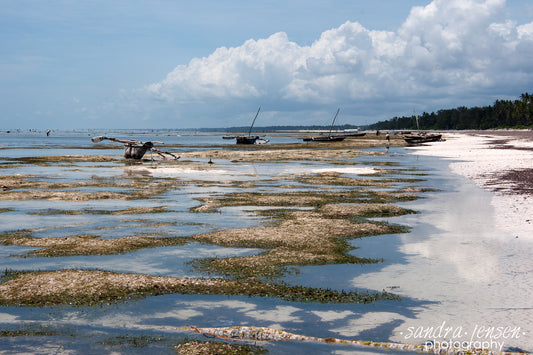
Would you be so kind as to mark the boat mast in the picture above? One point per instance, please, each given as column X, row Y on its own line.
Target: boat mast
column 250, row 132
column 332, row 123
column 416, row 118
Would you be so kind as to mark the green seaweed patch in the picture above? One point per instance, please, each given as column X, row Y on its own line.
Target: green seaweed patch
column 93, row 287
column 84, row 244
column 273, row 264
column 303, row 238
column 127, row 211
column 52, row 195
column 402, row 180
column 4, row 210
column 385, row 197
column 315, row 198
column 334, row 178
column 366, row 210
column 30, row 330
column 380, row 163
column 136, row 341
column 276, row 214
column 30, row 187
column 55, row 211
column 415, row 189
column 48, row 160
column 218, row 348
column 282, row 152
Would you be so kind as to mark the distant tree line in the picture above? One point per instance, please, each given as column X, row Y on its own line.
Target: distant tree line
column 278, row 128
column 503, row 114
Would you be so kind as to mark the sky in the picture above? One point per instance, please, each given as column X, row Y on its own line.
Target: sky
column 67, row 64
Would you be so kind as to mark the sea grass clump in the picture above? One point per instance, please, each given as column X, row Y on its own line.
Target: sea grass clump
column 92, row 287
column 84, row 244
column 305, row 238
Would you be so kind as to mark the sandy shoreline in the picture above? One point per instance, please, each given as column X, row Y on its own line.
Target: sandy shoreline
column 497, row 161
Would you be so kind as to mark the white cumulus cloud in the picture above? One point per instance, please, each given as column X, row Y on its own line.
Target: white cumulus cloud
column 444, row 52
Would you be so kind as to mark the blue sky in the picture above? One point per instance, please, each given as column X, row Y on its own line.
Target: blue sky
column 181, row 64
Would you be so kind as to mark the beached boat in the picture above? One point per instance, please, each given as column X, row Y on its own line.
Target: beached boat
column 355, row 134
column 135, row 150
column 250, row 139
column 329, row 137
column 422, row 138
column 324, row 138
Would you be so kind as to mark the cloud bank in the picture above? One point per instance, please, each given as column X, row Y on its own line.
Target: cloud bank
column 448, row 53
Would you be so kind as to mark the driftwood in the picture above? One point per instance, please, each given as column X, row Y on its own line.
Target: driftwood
column 135, row 150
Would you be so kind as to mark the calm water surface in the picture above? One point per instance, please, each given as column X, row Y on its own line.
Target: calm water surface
column 452, row 268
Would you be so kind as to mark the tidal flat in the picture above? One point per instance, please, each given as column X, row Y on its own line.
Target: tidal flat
column 85, row 232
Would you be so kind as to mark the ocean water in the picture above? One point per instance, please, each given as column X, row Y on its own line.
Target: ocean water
column 460, row 278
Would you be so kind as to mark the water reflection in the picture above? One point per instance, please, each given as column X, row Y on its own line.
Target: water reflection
column 452, row 266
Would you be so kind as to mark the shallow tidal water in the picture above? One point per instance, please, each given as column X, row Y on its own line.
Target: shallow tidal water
column 453, row 269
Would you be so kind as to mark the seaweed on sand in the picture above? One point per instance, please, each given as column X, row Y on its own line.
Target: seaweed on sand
column 303, row 238
column 93, row 287
column 84, row 244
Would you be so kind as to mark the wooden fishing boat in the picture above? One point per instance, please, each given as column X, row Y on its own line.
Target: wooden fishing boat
column 356, row 134
column 246, row 140
column 422, row 138
column 135, row 150
column 329, row 137
column 324, row 138
column 250, row 139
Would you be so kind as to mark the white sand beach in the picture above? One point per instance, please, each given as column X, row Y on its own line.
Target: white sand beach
column 486, row 157
column 469, row 254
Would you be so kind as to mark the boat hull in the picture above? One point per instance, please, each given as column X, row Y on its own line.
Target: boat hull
column 422, row 139
column 246, row 140
column 324, row 139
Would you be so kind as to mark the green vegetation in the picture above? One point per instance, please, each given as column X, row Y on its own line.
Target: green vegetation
column 503, row 114
column 84, row 244
column 94, row 287
column 136, row 341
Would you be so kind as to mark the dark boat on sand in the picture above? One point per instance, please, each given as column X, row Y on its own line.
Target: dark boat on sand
column 422, row 138
column 250, row 139
column 329, row 137
column 355, row 134
column 135, row 150
column 324, row 139
column 246, row 140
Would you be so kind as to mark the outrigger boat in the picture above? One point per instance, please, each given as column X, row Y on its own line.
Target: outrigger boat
column 329, row 137
column 355, row 134
column 421, row 137
column 250, row 139
column 324, row 139
column 135, row 150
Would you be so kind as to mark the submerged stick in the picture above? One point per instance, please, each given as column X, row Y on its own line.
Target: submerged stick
column 250, row 333
column 161, row 153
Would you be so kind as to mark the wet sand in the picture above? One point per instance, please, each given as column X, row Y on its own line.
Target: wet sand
column 500, row 162
column 470, row 251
